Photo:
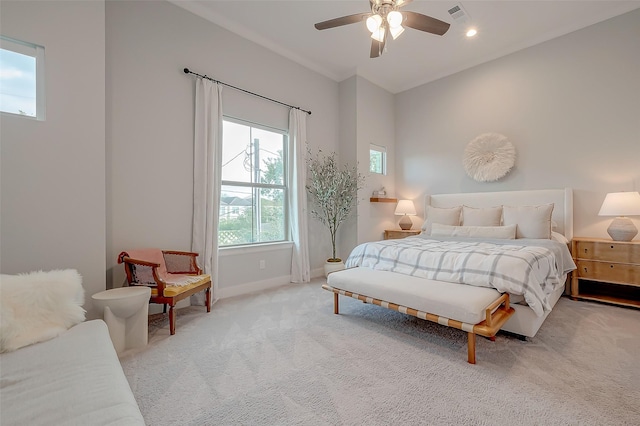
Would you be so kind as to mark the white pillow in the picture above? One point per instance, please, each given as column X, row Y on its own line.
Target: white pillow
column 556, row 236
column 444, row 216
column 38, row 306
column 502, row 232
column 489, row 216
column 532, row 221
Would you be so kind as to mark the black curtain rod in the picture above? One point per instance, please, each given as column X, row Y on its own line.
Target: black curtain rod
column 188, row 71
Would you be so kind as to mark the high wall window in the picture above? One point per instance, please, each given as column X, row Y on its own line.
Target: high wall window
column 21, row 78
column 254, row 184
column 377, row 159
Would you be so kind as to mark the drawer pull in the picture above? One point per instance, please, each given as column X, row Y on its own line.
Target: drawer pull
column 611, row 246
column 585, row 269
column 611, row 266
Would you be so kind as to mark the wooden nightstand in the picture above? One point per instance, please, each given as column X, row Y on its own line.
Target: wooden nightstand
column 394, row 234
column 607, row 271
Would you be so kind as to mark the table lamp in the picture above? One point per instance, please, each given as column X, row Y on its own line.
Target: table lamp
column 621, row 204
column 405, row 208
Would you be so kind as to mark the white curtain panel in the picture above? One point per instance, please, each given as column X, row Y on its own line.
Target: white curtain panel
column 300, row 267
column 207, row 160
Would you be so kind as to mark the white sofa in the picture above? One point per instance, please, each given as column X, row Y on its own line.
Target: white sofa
column 73, row 379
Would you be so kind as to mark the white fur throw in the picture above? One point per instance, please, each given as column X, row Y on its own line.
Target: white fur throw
column 38, row 306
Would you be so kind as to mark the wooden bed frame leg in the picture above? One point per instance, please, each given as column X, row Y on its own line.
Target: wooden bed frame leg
column 492, row 338
column 471, row 348
column 335, row 303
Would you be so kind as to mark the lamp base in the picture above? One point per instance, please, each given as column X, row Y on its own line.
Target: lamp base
column 406, row 223
column 622, row 229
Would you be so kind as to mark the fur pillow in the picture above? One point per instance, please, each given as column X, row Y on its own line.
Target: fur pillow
column 38, row 306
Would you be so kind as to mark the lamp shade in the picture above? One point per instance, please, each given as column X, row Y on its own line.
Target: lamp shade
column 405, row 207
column 621, row 204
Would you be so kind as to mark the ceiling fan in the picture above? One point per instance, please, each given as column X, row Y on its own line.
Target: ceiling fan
column 385, row 19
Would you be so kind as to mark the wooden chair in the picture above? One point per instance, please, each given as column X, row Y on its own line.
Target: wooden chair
column 172, row 276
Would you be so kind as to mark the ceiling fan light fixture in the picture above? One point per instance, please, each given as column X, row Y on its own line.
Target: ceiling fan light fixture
column 394, row 18
column 395, row 32
column 378, row 35
column 373, row 23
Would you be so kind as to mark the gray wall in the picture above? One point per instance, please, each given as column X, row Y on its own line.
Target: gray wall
column 150, row 118
column 53, row 171
column 571, row 107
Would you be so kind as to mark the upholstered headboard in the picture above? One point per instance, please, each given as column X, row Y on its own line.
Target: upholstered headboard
column 561, row 198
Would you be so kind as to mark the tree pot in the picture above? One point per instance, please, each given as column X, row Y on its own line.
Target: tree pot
column 332, row 265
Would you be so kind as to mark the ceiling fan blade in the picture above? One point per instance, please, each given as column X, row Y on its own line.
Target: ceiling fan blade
column 400, row 3
column 344, row 20
column 375, row 49
column 425, row 23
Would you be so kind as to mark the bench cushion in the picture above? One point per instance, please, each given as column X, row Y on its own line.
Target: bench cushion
column 460, row 302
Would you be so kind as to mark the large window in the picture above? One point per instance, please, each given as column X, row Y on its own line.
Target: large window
column 253, row 205
column 21, row 78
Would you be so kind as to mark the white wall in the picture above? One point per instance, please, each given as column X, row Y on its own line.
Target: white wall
column 571, row 107
column 375, row 124
column 53, row 171
column 150, row 128
column 366, row 117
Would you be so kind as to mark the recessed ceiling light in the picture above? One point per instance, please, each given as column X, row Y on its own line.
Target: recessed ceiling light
column 472, row 32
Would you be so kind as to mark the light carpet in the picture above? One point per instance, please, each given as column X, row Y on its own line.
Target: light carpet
column 281, row 357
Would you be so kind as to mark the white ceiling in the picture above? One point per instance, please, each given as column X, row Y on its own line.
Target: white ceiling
column 416, row 57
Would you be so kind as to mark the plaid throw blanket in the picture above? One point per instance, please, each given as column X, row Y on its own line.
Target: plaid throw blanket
column 510, row 266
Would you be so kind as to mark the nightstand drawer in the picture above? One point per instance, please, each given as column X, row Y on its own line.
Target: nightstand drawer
column 607, row 251
column 609, row 272
column 393, row 234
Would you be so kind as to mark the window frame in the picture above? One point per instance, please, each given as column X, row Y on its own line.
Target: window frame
column 383, row 150
column 258, row 185
column 37, row 52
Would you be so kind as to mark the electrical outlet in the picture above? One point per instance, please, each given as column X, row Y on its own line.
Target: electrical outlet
column 263, row 264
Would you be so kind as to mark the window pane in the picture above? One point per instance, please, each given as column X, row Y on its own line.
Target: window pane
column 272, row 216
column 251, row 215
column 269, row 146
column 17, row 83
column 377, row 159
column 252, row 155
column 236, row 152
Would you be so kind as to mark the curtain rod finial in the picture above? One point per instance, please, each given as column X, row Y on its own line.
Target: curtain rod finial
column 186, row 70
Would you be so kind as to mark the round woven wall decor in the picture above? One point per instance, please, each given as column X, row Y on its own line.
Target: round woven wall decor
column 489, row 157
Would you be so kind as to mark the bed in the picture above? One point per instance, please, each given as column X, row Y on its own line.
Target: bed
column 441, row 275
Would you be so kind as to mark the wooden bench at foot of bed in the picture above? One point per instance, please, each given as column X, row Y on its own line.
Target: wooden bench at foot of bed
column 495, row 315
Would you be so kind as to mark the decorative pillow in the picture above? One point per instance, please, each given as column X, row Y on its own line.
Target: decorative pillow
column 490, row 216
column 532, row 221
column 502, row 232
column 38, row 306
column 444, row 216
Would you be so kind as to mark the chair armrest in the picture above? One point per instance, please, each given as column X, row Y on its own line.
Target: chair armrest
column 181, row 262
column 142, row 272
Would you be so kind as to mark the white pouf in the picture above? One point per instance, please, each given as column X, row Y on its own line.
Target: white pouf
column 126, row 311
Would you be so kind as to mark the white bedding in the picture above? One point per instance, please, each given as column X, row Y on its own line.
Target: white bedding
column 532, row 268
column 73, row 379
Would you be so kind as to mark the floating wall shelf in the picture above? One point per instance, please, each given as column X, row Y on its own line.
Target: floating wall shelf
column 383, row 200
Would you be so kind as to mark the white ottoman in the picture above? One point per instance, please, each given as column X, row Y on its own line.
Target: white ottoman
column 126, row 311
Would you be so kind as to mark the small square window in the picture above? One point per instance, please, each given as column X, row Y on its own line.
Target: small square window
column 377, row 159
column 21, row 78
